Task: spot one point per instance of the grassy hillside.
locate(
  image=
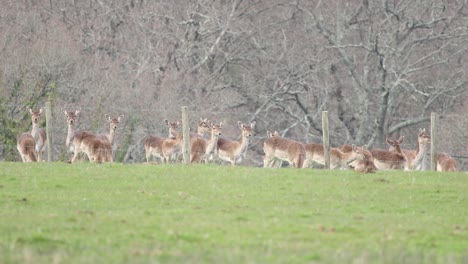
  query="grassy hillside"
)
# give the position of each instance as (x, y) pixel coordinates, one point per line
(115, 213)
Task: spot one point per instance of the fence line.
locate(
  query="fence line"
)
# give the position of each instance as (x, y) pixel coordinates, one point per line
(325, 140)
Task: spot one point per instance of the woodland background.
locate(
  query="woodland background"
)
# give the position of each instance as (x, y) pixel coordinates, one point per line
(379, 67)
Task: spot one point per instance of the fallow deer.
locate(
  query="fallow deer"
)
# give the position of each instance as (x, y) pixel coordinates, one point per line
(364, 162)
(284, 149)
(415, 159)
(234, 151)
(387, 160)
(315, 153)
(38, 133)
(445, 162)
(421, 150)
(275, 163)
(204, 149)
(153, 144)
(26, 146)
(71, 120)
(203, 127)
(113, 124)
(97, 150)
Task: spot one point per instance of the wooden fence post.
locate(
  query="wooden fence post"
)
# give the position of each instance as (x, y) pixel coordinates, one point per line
(48, 111)
(326, 139)
(434, 121)
(186, 134)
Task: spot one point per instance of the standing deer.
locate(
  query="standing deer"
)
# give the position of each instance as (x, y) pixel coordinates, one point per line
(153, 144)
(234, 151)
(71, 120)
(97, 150)
(387, 160)
(203, 127)
(204, 149)
(284, 149)
(445, 162)
(26, 146)
(38, 133)
(315, 153)
(113, 124)
(415, 159)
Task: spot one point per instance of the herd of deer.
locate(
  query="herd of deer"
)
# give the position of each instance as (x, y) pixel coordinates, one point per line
(207, 145)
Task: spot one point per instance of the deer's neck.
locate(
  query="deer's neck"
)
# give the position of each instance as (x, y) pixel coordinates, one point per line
(111, 135)
(244, 144)
(421, 151)
(212, 143)
(35, 131)
(70, 135)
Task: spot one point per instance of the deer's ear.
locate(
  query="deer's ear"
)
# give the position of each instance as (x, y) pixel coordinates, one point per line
(120, 118)
(239, 123)
(65, 112)
(269, 135)
(400, 140)
(30, 111)
(107, 117)
(166, 122)
(41, 110)
(77, 112)
(252, 124)
(179, 122)
(389, 141)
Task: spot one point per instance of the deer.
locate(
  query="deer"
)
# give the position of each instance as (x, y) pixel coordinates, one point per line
(415, 159)
(387, 160)
(26, 146)
(275, 163)
(445, 162)
(38, 133)
(276, 147)
(153, 144)
(234, 151)
(204, 149)
(363, 162)
(203, 127)
(71, 120)
(97, 149)
(113, 124)
(315, 153)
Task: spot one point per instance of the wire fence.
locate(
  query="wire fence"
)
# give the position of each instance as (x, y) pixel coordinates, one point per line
(452, 136)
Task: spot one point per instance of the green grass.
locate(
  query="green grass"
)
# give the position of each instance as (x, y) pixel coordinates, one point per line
(115, 213)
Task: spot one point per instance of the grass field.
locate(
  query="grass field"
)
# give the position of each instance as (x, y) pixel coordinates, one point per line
(115, 213)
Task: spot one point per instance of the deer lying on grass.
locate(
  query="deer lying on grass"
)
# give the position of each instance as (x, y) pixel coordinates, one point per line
(445, 162)
(387, 160)
(26, 146)
(97, 150)
(234, 151)
(204, 149)
(284, 149)
(153, 144)
(338, 159)
(38, 133)
(364, 162)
